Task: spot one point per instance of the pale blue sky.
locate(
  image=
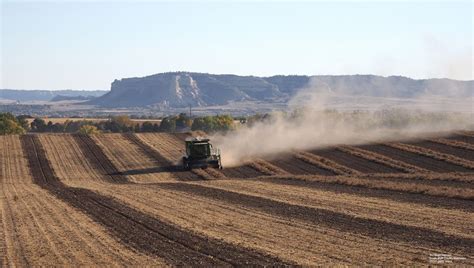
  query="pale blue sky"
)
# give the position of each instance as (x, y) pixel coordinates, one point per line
(87, 44)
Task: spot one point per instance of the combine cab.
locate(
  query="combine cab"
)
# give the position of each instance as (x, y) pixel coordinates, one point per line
(201, 154)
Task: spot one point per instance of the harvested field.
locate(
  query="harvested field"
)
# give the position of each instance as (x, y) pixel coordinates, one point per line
(135, 229)
(355, 162)
(415, 159)
(448, 149)
(40, 229)
(295, 166)
(466, 138)
(122, 199)
(457, 164)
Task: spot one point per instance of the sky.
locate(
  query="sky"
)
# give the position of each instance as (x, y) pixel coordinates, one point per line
(88, 44)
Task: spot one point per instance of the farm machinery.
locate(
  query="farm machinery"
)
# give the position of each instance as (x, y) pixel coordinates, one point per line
(201, 154)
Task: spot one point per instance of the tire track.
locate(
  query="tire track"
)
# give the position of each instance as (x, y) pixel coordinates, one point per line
(342, 222)
(139, 230)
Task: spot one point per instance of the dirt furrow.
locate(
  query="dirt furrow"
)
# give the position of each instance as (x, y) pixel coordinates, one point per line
(455, 163)
(38, 227)
(454, 143)
(65, 154)
(68, 224)
(466, 133)
(167, 145)
(354, 162)
(139, 230)
(11, 250)
(458, 179)
(462, 137)
(308, 244)
(291, 164)
(3, 248)
(448, 149)
(315, 256)
(422, 187)
(100, 161)
(241, 172)
(25, 222)
(325, 163)
(44, 230)
(449, 221)
(338, 185)
(161, 162)
(411, 158)
(396, 166)
(267, 168)
(343, 222)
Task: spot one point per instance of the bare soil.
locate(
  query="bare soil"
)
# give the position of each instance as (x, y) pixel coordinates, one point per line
(123, 199)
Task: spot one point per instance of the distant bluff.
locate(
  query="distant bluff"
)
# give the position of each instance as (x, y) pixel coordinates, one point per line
(181, 89)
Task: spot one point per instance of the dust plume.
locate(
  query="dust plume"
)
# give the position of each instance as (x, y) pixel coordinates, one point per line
(318, 117)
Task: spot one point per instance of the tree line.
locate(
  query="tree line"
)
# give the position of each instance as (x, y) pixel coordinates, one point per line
(9, 124)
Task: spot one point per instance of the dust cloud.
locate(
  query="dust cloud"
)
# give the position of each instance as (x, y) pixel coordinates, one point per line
(317, 117)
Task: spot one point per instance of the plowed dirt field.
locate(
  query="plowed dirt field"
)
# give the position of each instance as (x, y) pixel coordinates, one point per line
(123, 200)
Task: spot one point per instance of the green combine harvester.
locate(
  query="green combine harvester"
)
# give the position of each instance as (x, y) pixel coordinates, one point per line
(201, 154)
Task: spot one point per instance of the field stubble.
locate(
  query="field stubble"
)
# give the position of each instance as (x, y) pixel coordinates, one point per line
(373, 204)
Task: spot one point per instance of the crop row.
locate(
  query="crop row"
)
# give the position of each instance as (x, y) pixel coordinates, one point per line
(379, 158)
(136, 229)
(379, 183)
(454, 143)
(325, 163)
(433, 154)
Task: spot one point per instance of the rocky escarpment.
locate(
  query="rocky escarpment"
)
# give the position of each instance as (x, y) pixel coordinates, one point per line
(181, 89)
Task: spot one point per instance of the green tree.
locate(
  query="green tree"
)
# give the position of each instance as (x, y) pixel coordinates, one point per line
(10, 125)
(89, 130)
(183, 121)
(198, 124)
(136, 128)
(224, 123)
(147, 127)
(168, 124)
(38, 125)
(23, 121)
(213, 123)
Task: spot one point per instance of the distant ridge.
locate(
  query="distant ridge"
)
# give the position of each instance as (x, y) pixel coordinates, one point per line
(181, 89)
(46, 95)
